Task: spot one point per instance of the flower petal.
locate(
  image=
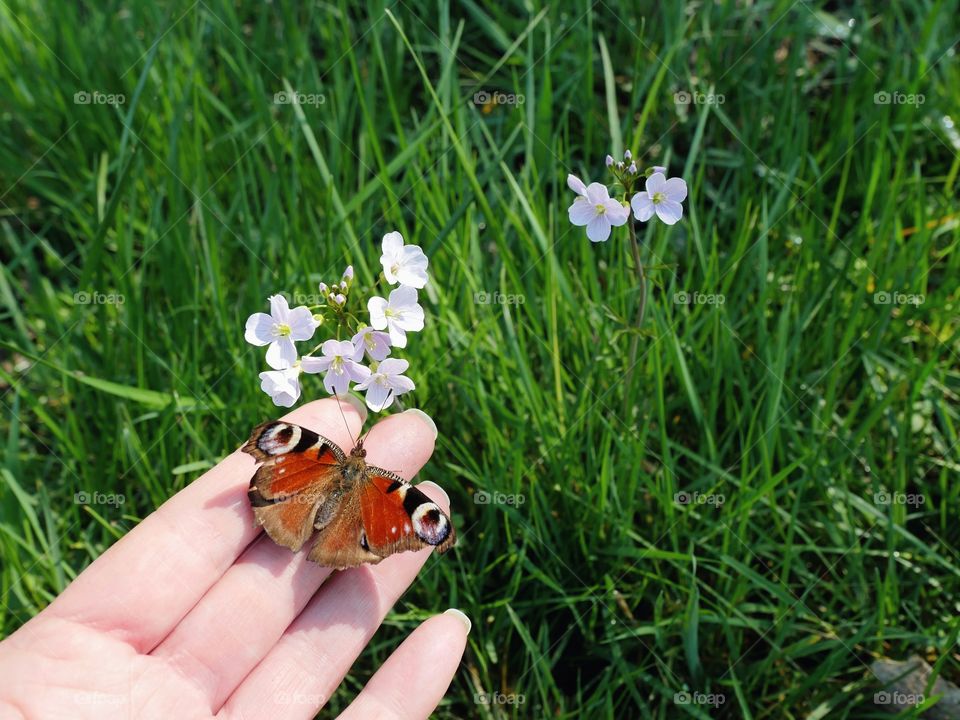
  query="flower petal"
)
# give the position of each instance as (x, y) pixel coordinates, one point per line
(259, 329)
(597, 193)
(576, 184)
(403, 297)
(598, 230)
(669, 211)
(336, 383)
(642, 206)
(675, 189)
(393, 366)
(356, 371)
(312, 364)
(411, 319)
(301, 322)
(616, 213)
(377, 307)
(655, 183)
(401, 384)
(398, 338)
(279, 308)
(281, 354)
(379, 397)
(581, 212)
(392, 242)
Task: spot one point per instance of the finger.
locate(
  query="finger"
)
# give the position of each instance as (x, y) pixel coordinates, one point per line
(311, 658)
(413, 680)
(141, 587)
(244, 614)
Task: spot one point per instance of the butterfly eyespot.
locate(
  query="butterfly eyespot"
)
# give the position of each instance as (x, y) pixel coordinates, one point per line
(430, 524)
(278, 439)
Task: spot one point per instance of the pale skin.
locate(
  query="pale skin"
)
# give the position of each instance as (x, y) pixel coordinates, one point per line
(195, 613)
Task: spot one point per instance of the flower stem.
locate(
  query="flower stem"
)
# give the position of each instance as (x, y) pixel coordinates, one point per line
(641, 311)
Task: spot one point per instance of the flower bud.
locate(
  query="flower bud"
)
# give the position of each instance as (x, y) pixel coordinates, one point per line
(627, 155)
(339, 299)
(620, 166)
(348, 273)
(632, 169)
(324, 289)
(609, 160)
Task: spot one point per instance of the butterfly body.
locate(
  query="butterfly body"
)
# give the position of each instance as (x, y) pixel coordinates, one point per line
(306, 483)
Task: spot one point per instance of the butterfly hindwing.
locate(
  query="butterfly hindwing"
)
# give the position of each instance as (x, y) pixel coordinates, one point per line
(397, 516)
(300, 469)
(342, 543)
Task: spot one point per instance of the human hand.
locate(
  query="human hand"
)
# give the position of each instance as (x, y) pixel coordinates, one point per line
(195, 613)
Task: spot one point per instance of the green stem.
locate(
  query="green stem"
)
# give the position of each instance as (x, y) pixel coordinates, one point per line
(641, 311)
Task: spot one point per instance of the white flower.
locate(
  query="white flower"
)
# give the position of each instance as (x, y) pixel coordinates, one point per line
(595, 209)
(662, 197)
(385, 383)
(279, 329)
(397, 315)
(283, 386)
(339, 362)
(404, 264)
(374, 342)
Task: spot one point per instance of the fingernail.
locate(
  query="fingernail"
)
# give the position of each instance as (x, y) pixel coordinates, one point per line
(436, 492)
(356, 403)
(426, 418)
(459, 614)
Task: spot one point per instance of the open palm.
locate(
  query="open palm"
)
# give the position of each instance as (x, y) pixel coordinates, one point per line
(196, 614)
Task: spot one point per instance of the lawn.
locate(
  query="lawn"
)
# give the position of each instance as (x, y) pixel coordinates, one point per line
(756, 508)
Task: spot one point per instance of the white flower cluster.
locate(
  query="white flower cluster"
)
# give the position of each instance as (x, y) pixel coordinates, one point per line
(598, 212)
(342, 361)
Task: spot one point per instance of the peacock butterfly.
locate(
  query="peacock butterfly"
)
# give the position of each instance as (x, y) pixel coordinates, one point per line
(306, 482)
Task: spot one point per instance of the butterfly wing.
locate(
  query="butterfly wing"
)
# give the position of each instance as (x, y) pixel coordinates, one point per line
(299, 474)
(386, 515)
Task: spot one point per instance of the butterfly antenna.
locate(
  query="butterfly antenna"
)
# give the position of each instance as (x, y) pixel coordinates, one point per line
(386, 402)
(356, 440)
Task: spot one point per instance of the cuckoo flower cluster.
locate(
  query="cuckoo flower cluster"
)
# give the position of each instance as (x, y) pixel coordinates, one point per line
(595, 209)
(364, 360)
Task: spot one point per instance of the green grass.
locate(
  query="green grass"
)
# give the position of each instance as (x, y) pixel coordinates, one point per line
(798, 398)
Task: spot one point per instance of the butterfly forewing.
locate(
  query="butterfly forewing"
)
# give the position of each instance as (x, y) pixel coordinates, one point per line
(299, 471)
